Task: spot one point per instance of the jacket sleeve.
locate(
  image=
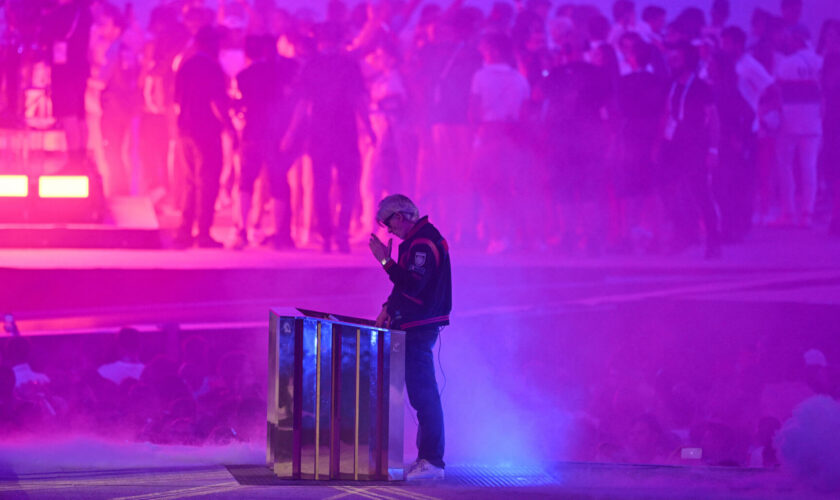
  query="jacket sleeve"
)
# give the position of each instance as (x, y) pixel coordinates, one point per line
(421, 267)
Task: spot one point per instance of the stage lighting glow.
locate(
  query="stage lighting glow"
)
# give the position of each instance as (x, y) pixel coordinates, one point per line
(14, 186)
(63, 186)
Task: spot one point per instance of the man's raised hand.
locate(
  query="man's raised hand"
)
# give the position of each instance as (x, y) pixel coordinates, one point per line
(379, 250)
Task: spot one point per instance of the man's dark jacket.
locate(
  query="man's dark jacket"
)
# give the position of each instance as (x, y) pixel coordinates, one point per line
(422, 294)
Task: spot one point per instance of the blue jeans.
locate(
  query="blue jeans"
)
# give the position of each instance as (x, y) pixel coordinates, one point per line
(423, 392)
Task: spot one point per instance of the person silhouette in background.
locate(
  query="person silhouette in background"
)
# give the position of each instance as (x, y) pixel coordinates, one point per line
(67, 30)
(333, 98)
(201, 95)
(691, 150)
(264, 86)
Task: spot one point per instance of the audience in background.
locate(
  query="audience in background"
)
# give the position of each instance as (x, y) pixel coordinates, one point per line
(600, 165)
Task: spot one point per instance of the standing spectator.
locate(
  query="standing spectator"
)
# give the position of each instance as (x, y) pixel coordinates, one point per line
(641, 104)
(753, 78)
(792, 13)
(653, 27)
(688, 26)
(601, 53)
(624, 17)
(718, 15)
(67, 32)
(733, 180)
(201, 94)
(168, 36)
(389, 167)
(755, 85)
(531, 42)
(443, 71)
(577, 94)
(690, 150)
(498, 95)
(119, 99)
(10, 62)
(798, 74)
(767, 31)
(333, 99)
(500, 19)
(652, 31)
(829, 49)
(265, 87)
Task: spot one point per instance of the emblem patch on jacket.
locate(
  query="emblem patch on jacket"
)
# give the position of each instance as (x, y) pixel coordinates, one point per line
(420, 259)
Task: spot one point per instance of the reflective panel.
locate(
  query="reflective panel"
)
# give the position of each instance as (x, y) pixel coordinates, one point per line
(308, 396)
(271, 397)
(383, 395)
(367, 404)
(348, 399)
(396, 383)
(335, 400)
(325, 399)
(280, 390)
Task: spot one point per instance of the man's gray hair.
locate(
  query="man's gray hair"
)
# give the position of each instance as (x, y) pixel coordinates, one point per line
(397, 203)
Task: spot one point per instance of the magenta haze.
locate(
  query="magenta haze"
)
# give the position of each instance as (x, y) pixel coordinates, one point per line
(530, 377)
(741, 9)
(531, 372)
(809, 442)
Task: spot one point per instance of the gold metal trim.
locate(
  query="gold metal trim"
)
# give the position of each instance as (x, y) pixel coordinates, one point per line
(358, 384)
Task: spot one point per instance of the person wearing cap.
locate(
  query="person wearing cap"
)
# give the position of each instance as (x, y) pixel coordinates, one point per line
(419, 303)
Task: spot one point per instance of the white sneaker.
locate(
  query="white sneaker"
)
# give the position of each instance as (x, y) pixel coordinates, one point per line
(422, 469)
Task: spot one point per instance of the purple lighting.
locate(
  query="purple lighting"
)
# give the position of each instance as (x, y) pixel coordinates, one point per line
(562, 248)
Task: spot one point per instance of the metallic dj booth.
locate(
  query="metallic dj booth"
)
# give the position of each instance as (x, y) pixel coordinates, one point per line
(335, 398)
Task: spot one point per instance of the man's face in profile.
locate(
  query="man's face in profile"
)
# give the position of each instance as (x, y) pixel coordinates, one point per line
(397, 225)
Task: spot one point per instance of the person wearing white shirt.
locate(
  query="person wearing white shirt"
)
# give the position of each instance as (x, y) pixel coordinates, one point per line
(798, 75)
(498, 95)
(753, 78)
(499, 91)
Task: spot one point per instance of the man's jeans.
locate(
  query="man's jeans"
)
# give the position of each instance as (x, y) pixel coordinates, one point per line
(423, 392)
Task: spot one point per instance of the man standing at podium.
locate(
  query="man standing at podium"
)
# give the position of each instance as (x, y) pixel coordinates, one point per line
(419, 303)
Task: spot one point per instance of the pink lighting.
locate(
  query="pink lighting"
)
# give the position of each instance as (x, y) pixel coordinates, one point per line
(63, 186)
(14, 186)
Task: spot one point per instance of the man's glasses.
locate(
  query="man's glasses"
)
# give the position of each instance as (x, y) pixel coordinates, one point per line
(387, 221)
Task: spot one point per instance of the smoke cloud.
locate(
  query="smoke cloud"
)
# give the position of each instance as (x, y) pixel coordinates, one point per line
(810, 440)
(97, 453)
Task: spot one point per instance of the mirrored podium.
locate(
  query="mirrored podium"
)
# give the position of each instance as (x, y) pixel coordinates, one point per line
(335, 398)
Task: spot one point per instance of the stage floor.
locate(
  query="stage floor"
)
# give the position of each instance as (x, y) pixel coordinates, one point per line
(52, 291)
(785, 278)
(566, 480)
